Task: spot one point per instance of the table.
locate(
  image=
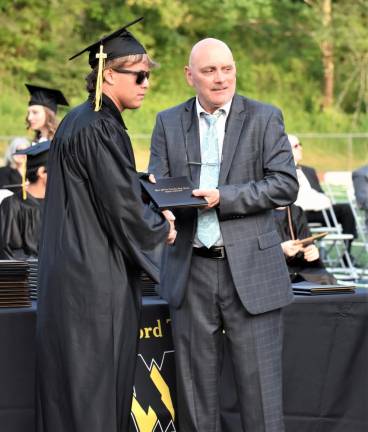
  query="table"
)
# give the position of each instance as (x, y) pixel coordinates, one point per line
(325, 364)
(17, 369)
(154, 390)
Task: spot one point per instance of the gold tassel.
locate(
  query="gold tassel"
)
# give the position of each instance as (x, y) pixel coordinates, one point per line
(101, 65)
(24, 173)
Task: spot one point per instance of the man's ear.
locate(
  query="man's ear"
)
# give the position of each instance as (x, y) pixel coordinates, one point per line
(41, 172)
(108, 76)
(188, 75)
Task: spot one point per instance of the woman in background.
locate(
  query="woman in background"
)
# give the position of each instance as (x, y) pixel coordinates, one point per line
(11, 173)
(42, 109)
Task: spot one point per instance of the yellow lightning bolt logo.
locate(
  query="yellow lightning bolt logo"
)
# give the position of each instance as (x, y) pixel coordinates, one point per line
(147, 421)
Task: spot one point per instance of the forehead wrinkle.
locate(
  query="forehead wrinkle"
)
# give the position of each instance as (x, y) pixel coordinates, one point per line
(216, 66)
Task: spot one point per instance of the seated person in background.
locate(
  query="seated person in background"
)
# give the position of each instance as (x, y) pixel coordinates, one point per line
(21, 213)
(360, 182)
(303, 262)
(11, 173)
(311, 197)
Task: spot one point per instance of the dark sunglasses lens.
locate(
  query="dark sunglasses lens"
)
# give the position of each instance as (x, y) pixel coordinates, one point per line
(141, 76)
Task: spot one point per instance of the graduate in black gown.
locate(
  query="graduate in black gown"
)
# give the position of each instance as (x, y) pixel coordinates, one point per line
(97, 237)
(304, 263)
(11, 173)
(21, 213)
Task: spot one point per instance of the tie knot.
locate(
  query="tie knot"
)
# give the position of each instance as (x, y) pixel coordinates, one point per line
(211, 119)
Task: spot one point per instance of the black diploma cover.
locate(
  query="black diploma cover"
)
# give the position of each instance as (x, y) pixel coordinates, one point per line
(172, 192)
(310, 288)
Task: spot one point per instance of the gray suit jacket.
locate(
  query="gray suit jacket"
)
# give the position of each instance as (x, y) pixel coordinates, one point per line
(257, 174)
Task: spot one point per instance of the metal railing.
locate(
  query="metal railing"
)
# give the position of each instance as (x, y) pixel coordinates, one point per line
(324, 151)
(334, 151)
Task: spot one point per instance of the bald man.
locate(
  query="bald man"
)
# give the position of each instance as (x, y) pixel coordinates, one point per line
(226, 271)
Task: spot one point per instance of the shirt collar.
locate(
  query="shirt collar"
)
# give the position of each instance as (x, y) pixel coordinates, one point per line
(225, 108)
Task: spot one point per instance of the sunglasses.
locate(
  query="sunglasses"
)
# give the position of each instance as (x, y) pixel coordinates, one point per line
(140, 75)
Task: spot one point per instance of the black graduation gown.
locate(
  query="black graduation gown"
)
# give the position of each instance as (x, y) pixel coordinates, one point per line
(20, 224)
(10, 176)
(97, 234)
(299, 268)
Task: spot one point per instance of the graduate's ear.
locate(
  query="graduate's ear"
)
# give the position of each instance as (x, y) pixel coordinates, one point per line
(41, 172)
(108, 75)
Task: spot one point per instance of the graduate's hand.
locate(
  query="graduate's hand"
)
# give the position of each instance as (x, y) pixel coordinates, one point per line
(147, 177)
(171, 237)
(291, 248)
(311, 253)
(212, 196)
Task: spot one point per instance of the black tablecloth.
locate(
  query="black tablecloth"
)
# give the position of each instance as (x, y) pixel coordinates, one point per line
(17, 369)
(326, 364)
(154, 389)
(325, 367)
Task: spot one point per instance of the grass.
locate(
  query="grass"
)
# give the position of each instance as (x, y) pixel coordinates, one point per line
(323, 154)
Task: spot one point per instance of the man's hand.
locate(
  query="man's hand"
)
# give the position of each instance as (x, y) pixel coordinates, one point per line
(171, 219)
(151, 179)
(291, 248)
(212, 196)
(311, 253)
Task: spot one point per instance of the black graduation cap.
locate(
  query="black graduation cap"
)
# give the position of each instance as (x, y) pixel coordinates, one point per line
(120, 43)
(37, 154)
(49, 98)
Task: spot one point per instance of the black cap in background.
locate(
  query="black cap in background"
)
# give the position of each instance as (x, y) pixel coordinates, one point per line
(37, 154)
(49, 98)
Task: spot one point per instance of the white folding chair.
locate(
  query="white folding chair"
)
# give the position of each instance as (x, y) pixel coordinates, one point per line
(338, 185)
(361, 243)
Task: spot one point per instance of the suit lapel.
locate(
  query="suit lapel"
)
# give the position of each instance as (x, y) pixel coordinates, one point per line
(191, 137)
(235, 124)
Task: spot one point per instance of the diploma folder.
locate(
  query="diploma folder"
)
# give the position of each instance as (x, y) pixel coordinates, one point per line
(172, 192)
(310, 240)
(310, 288)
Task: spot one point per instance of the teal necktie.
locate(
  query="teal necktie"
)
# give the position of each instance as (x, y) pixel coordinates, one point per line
(208, 227)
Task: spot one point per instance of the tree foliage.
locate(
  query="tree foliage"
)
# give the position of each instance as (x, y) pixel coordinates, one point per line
(276, 44)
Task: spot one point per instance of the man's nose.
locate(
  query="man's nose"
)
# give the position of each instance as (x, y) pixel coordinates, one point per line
(219, 76)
